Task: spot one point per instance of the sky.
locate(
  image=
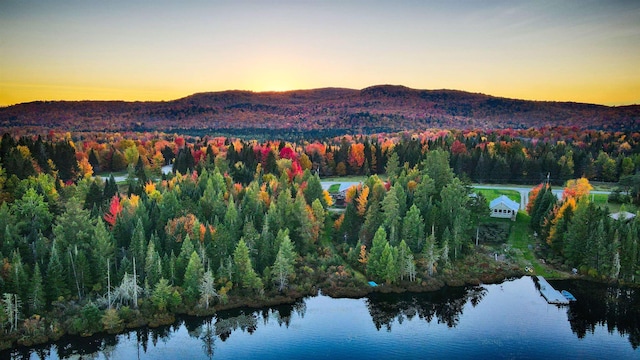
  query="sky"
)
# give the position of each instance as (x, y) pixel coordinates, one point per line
(559, 50)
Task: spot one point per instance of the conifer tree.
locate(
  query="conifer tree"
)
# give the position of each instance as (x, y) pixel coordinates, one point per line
(245, 275)
(375, 267)
(37, 301)
(192, 278)
(283, 266)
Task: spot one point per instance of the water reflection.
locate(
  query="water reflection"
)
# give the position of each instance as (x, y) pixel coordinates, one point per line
(618, 309)
(446, 306)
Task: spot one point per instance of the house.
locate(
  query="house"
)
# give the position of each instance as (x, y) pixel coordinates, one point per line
(623, 215)
(503, 207)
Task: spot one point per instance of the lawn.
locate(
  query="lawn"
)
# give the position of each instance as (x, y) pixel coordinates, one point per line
(491, 194)
(521, 238)
(333, 189)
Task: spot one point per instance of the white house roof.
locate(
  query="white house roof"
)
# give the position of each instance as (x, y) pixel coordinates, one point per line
(625, 215)
(503, 199)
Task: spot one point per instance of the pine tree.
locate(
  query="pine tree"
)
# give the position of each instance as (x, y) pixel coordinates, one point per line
(192, 278)
(389, 263)
(103, 250)
(413, 229)
(55, 285)
(375, 267)
(429, 252)
(138, 246)
(37, 300)
(183, 258)
(245, 275)
(283, 266)
(152, 265)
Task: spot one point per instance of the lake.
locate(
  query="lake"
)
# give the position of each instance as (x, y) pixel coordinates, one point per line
(508, 320)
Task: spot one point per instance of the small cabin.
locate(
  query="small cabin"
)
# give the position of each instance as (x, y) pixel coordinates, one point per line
(505, 208)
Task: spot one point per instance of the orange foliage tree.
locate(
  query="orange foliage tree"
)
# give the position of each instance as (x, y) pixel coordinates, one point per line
(577, 188)
(356, 156)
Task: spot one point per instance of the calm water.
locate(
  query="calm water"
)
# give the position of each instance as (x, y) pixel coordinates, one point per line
(509, 320)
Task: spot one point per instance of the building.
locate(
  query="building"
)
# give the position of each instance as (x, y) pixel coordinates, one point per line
(623, 215)
(503, 207)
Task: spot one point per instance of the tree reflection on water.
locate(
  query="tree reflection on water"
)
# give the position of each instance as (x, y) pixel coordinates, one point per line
(617, 308)
(445, 305)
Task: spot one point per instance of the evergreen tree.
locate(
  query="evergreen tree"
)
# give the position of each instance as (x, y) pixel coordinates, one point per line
(429, 252)
(152, 265)
(314, 191)
(283, 266)
(375, 267)
(413, 229)
(245, 275)
(192, 278)
(393, 165)
(103, 251)
(94, 197)
(391, 211)
(389, 263)
(37, 301)
(138, 246)
(55, 286)
(183, 259)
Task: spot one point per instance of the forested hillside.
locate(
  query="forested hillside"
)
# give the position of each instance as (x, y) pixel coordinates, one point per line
(323, 112)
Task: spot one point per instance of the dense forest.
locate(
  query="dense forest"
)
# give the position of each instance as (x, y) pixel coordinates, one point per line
(242, 222)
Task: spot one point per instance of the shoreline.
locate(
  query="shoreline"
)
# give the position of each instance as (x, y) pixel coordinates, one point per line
(16, 341)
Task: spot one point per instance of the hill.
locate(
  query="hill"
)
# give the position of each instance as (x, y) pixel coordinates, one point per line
(382, 108)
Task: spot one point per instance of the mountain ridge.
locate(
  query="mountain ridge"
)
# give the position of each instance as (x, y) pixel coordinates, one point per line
(379, 108)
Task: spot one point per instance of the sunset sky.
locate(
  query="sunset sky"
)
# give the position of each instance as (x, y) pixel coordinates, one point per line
(585, 51)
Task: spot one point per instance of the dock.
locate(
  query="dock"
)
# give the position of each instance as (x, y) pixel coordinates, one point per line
(550, 294)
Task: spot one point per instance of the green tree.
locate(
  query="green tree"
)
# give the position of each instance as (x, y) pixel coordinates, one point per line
(429, 253)
(183, 258)
(393, 165)
(455, 213)
(436, 165)
(138, 246)
(283, 269)
(152, 265)
(192, 278)
(391, 211)
(314, 191)
(375, 267)
(164, 297)
(37, 301)
(32, 212)
(55, 286)
(246, 276)
(103, 247)
(413, 229)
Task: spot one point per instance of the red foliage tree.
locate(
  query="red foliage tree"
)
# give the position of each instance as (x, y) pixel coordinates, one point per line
(115, 208)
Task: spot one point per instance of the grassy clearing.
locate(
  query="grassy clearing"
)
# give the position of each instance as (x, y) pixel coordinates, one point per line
(491, 194)
(522, 239)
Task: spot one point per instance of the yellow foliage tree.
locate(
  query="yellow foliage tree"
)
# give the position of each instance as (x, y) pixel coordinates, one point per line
(363, 200)
(364, 257)
(577, 188)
